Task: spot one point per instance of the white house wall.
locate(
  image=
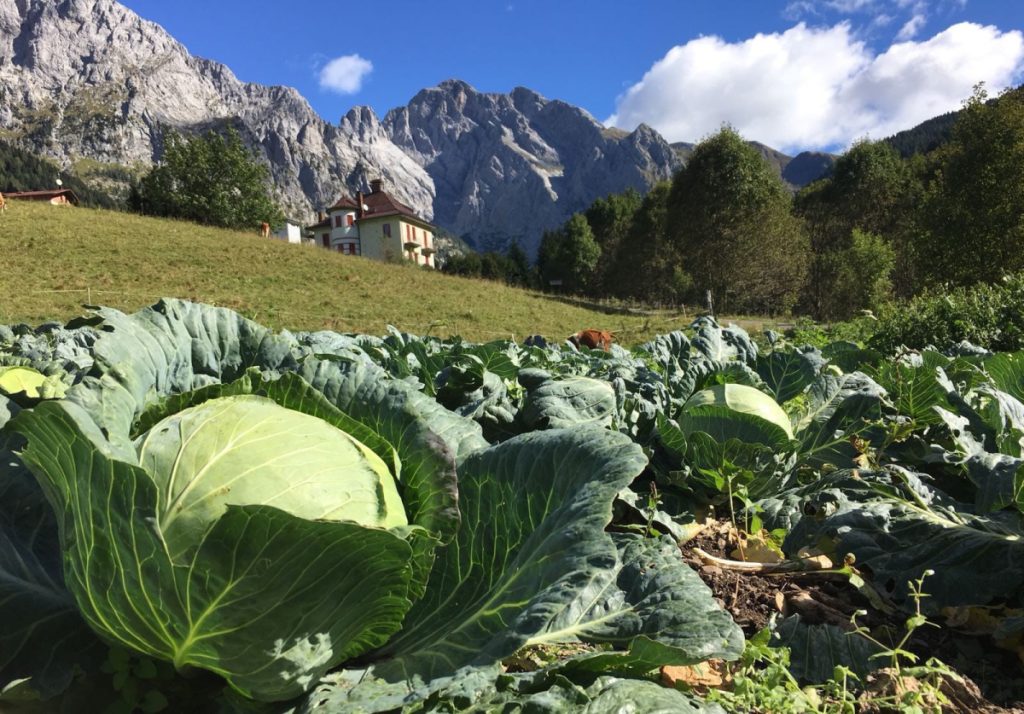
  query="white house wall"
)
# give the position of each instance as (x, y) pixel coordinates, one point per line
(289, 232)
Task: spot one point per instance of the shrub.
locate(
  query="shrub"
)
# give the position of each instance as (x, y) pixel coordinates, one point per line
(990, 316)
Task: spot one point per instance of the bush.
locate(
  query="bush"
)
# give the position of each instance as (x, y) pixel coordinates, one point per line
(990, 316)
(807, 331)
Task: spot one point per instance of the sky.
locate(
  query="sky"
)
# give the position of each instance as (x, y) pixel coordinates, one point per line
(793, 74)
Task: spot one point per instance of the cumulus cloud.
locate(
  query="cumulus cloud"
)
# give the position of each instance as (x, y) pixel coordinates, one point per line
(345, 75)
(811, 88)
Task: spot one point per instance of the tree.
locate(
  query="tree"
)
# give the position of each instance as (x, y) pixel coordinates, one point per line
(611, 219)
(871, 190)
(570, 255)
(731, 224)
(211, 179)
(518, 269)
(859, 275)
(974, 210)
(468, 265)
(646, 266)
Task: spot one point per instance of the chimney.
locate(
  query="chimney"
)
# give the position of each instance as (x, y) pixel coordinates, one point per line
(359, 203)
(320, 216)
(375, 185)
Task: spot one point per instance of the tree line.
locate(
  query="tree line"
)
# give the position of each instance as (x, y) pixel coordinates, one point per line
(879, 227)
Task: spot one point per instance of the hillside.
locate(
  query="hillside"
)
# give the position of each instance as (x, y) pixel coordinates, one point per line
(21, 170)
(925, 137)
(56, 259)
(933, 133)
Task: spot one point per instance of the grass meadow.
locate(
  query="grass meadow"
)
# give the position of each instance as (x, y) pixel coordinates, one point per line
(54, 261)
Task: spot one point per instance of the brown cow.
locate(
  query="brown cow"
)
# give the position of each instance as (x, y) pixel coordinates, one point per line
(3, 203)
(265, 230)
(594, 339)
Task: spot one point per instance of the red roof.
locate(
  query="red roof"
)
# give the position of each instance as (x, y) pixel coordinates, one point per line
(378, 205)
(47, 195)
(382, 203)
(344, 202)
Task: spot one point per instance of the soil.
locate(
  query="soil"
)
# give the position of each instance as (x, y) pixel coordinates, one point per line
(996, 675)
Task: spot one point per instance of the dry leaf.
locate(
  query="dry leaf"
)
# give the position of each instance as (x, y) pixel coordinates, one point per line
(710, 674)
(755, 549)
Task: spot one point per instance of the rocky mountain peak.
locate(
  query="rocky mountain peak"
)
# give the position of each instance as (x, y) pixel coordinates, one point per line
(506, 167)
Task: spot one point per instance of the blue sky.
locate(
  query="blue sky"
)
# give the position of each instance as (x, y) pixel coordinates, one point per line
(794, 74)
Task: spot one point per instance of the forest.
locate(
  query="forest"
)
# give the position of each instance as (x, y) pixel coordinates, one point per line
(894, 220)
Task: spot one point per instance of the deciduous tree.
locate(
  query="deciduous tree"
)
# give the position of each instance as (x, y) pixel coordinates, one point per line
(212, 179)
(974, 211)
(569, 255)
(874, 191)
(730, 220)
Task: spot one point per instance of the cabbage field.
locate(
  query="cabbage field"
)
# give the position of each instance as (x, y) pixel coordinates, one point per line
(200, 514)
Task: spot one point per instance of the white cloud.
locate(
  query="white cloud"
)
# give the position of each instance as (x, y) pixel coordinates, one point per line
(911, 27)
(812, 88)
(345, 75)
(873, 14)
(812, 8)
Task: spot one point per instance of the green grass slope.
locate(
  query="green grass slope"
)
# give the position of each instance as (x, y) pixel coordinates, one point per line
(53, 260)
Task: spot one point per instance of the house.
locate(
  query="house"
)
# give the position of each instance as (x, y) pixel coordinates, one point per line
(57, 196)
(289, 231)
(376, 225)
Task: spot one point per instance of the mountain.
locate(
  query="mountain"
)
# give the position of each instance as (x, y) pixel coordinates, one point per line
(504, 164)
(933, 133)
(796, 171)
(89, 82)
(95, 88)
(806, 167)
(926, 136)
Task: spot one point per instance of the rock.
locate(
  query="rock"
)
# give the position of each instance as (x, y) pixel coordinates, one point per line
(507, 167)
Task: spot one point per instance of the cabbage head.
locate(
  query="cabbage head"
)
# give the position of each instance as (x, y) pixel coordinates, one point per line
(218, 510)
(736, 411)
(247, 450)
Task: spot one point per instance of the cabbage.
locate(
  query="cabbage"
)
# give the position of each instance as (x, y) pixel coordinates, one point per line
(248, 450)
(736, 411)
(31, 383)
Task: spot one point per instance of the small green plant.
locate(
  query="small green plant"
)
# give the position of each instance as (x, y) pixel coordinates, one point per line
(136, 680)
(653, 498)
(904, 685)
(989, 316)
(762, 682)
(897, 654)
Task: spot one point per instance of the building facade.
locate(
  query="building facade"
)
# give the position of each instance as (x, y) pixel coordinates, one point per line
(288, 231)
(375, 225)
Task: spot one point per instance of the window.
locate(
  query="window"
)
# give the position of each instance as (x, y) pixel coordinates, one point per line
(351, 219)
(326, 238)
(337, 221)
(387, 230)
